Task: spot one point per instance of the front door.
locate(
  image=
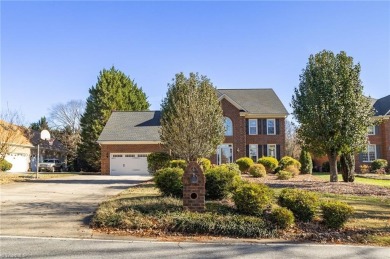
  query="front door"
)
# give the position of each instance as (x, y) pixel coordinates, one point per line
(225, 154)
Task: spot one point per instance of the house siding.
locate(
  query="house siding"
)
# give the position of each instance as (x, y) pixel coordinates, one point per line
(121, 148)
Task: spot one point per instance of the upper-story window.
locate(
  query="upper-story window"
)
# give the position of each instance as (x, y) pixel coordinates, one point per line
(228, 127)
(271, 127)
(371, 130)
(252, 126)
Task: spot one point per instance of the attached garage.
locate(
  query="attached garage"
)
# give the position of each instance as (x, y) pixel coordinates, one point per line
(128, 164)
(126, 141)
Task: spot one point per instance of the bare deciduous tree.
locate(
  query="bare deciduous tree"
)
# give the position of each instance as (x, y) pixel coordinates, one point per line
(293, 147)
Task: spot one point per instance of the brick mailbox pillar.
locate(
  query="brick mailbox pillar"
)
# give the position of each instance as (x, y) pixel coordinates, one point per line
(194, 190)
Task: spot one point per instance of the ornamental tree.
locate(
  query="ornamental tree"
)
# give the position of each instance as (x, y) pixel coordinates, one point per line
(113, 91)
(330, 107)
(192, 124)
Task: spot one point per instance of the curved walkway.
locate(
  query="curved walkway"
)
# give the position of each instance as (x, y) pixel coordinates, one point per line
(60, 207)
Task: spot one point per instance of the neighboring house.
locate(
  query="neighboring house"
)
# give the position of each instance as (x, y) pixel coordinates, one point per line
(254, 122)
(378, 136)
(22, 148)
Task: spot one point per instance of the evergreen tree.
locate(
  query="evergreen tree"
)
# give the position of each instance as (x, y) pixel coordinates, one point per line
(306, 163)
(40, 125)
(113, 91)
(192, 123)
(330, 107)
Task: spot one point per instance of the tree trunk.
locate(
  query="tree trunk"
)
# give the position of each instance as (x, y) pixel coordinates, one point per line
(332, 157)
(347, 162)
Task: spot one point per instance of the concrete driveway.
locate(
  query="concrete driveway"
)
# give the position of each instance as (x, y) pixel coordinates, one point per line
(60, 207)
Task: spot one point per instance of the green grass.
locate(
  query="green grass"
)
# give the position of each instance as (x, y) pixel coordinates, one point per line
(6, 178)
(358, 179)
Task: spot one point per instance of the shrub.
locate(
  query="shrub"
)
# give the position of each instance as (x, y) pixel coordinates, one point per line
(157, 161)
(244, 163)
(378, 164)
(306, 163)
(5, 165)
(178, 163)
(292, 169)
(232, 167)
(282, 217)
(204, 163)
(269, 163)
(220, 181)
(169, 181)
(336, 213)
(252, 199)
(257, 170)
(284, 175)
(302, 203)
(364, 169)
(288, 161)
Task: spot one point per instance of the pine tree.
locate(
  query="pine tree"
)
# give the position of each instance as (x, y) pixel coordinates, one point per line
(306, 163)
(113, 91)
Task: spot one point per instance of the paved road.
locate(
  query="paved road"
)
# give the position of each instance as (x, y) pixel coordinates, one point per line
(58, 207)
(11, 247)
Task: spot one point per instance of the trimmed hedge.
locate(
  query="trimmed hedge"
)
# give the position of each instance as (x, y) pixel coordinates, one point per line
(302, 203)
(289, 161)
(270, 163)
(178, 163)
(257, 170)
(157, 161)
(169, 181)
(5, 165)
(220, 181)
(336, 213)
(244, 163)
(252, 199)
(284, 175)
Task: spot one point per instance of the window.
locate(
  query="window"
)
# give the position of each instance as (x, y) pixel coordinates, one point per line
(228, 127)
(252, 126)
(270, 126)
(271, 150)
(129, 155)
(224, 154)
(117, 156)
(253, 152)
(371, 130)
(369, 154)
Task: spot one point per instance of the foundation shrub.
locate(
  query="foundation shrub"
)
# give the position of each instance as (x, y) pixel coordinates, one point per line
(302, 203)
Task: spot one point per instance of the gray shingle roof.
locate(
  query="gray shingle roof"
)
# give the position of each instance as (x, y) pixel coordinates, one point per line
(382, 106)
(257, 101)
(132, 126)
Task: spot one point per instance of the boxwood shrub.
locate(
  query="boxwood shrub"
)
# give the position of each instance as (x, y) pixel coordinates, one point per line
(204, 163)
(257, 170)
(178, 163)
(302, 203)
(336, 213)
(220, 181)
(252, 199)
(5, 165)
(284, 175)
(283, 218)
(378, 164)
(244, 163)
(270, 163)
(169, 181)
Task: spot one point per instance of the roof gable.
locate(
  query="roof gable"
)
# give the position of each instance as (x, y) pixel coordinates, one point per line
(382, 106)
(254, 101)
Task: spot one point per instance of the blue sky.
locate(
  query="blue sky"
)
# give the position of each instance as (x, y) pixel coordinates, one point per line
(52, 52)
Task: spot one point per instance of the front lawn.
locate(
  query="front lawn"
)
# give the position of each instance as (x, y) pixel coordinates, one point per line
(142, 211)
(358, 179)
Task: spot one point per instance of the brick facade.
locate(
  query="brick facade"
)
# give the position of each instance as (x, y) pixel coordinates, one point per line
(124, 148)
(241, 139)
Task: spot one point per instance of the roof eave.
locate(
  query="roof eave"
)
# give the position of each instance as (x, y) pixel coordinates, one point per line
(128, 142)
(263, 115)
(235, 104)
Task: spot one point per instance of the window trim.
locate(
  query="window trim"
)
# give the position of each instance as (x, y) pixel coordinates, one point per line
(268, 146)
(274, 127)
(368, 154)
(256, 149)
(373, 130)
(231, 124)
(249, 127)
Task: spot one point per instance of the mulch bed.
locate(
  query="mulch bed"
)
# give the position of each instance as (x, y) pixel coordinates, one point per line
(313, 183)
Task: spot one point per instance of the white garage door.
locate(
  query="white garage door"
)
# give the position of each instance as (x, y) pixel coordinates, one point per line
(128, 164)
(19, 162)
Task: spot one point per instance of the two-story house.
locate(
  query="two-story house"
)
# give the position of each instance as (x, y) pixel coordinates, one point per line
(254, 123)
(378, 146)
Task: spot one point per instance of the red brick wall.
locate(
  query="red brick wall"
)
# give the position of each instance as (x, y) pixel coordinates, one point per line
(128, 148)
(240, 139)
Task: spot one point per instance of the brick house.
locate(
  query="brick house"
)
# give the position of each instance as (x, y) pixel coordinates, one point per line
(254, 122)
(378, 146)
